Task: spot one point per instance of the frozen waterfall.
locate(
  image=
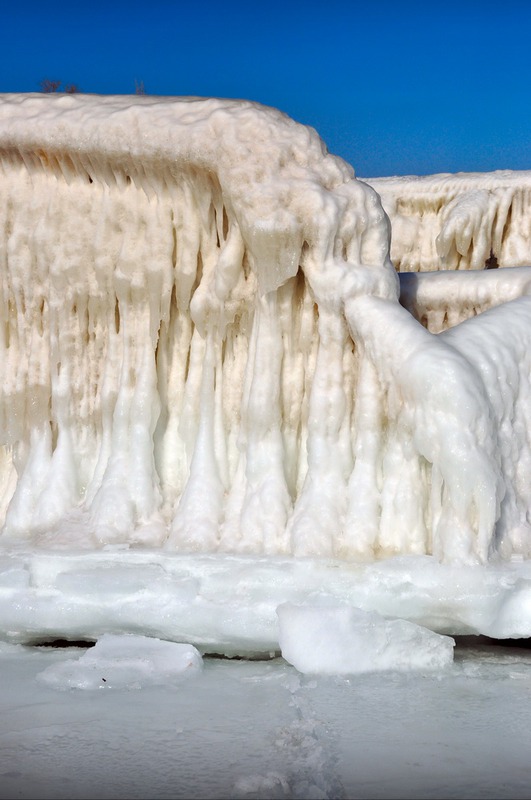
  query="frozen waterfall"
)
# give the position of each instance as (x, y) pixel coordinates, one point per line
(203, 350)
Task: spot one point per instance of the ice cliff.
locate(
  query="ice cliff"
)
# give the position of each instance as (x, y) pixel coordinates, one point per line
(202, 347)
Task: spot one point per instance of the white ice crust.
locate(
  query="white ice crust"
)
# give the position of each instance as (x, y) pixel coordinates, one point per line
(202, 348)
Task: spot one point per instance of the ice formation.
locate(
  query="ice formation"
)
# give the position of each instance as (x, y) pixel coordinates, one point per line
(126, 661)
(202, 347)
(228, 604)
(441, 300)
(459, 221)
(332, 639)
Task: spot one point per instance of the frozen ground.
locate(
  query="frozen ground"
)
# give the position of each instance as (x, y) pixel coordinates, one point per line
(260, 729)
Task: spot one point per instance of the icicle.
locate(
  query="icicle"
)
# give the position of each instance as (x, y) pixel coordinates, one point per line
(196, 523)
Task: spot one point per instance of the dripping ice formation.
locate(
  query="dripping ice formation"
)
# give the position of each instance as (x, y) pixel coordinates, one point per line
(203, 348)
(458, 221)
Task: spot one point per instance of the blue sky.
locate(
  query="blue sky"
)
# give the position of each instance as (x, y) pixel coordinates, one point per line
(394, 87)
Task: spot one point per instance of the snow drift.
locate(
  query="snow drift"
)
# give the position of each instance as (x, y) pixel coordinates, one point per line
(202, 347)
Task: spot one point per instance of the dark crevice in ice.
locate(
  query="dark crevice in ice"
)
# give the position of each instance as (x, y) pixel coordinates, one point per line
(487, 641)
(61, 643)
(269, 656)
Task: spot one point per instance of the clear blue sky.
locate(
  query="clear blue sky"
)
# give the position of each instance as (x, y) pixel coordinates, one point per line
(394, 87)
